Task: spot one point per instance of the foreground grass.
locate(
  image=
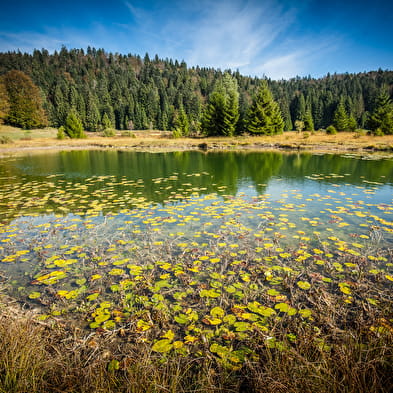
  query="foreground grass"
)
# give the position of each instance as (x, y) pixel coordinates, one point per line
(58, 358)
(20, 140)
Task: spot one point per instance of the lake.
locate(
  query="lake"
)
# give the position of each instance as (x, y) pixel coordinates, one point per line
(189, 242)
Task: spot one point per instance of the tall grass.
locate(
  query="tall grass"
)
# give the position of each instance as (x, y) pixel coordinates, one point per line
(38, 357)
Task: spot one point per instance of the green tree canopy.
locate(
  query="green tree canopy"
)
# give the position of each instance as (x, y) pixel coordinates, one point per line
(25, 101)
(222, 111)
(264, 115)
(382, 117)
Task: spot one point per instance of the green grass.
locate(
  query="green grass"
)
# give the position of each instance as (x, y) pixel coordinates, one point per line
(16, 134)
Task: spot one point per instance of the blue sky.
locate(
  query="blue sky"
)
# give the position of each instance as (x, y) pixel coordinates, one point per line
(276, 38)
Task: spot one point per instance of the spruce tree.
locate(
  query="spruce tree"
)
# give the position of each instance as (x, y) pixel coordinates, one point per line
(381, 120)
(264, 115)
(308, 121)
(222, 112)
(340, 118)
(181, 123)
(73, 126)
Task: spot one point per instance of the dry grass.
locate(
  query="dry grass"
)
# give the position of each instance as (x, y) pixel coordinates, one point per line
(158, 141)
(37, 357)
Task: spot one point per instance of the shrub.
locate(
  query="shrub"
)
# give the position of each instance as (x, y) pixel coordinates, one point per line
(60, 133)
(177, 133)
(5, 139)
(378, 132)
(109, 132)
(128, 134)
(331, 130)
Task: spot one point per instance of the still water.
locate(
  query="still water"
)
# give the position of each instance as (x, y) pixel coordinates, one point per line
(82, 225)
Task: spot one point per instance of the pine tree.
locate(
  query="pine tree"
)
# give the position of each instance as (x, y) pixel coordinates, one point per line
(381, 120)
(222, 111)
(25, 102)
(264, 115)
(352, 124)
(73, 126)
(340, 118)
(181, 123)
(106, 123)
(308, 121)
(92, 113)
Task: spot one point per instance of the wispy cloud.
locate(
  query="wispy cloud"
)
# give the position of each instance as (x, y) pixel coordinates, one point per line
(27, 41)
(230, 34)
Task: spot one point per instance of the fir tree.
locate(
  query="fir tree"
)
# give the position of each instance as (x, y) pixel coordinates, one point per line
(222, 111)
(352, 125)
(340, 118)
(264, 115)
(381, 120)
(308, 121)
(92, 113)
(73, 126)
(181, 123)
(106, 123)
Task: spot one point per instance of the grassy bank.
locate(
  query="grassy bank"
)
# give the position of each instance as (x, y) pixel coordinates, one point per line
(15, 140)
(42, 357)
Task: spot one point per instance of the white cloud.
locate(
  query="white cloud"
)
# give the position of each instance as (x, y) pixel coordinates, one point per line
(283, 67)
(230, 34)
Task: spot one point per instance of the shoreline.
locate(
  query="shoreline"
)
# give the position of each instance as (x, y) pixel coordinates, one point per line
(289, 142)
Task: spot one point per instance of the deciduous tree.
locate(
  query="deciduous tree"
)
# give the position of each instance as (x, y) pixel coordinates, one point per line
(25, 103)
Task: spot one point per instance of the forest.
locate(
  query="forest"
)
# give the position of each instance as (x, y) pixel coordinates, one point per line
(127, 92)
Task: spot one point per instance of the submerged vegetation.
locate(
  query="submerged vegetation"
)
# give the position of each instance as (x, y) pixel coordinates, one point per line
(196, 280)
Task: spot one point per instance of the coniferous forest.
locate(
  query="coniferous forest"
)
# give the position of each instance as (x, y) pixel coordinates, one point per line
(127, 92)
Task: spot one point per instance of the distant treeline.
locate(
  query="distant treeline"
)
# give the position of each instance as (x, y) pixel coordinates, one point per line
(129, 92)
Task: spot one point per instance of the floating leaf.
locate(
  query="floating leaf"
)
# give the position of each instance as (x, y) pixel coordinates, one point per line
(242, 326)
(217, 312)
(305, 313)
(162, 346)
(211, 321)
(34, 295)
(113, 365)
(303, 285)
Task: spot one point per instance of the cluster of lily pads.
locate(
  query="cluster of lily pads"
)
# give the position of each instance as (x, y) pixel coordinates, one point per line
(197, 273)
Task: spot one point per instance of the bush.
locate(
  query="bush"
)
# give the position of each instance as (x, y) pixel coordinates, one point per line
(128, 134)
(378, 132)
(331, 130)
(109, 132)
(359, 132)
(177, 133)
(5, 139)
(60, 133)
